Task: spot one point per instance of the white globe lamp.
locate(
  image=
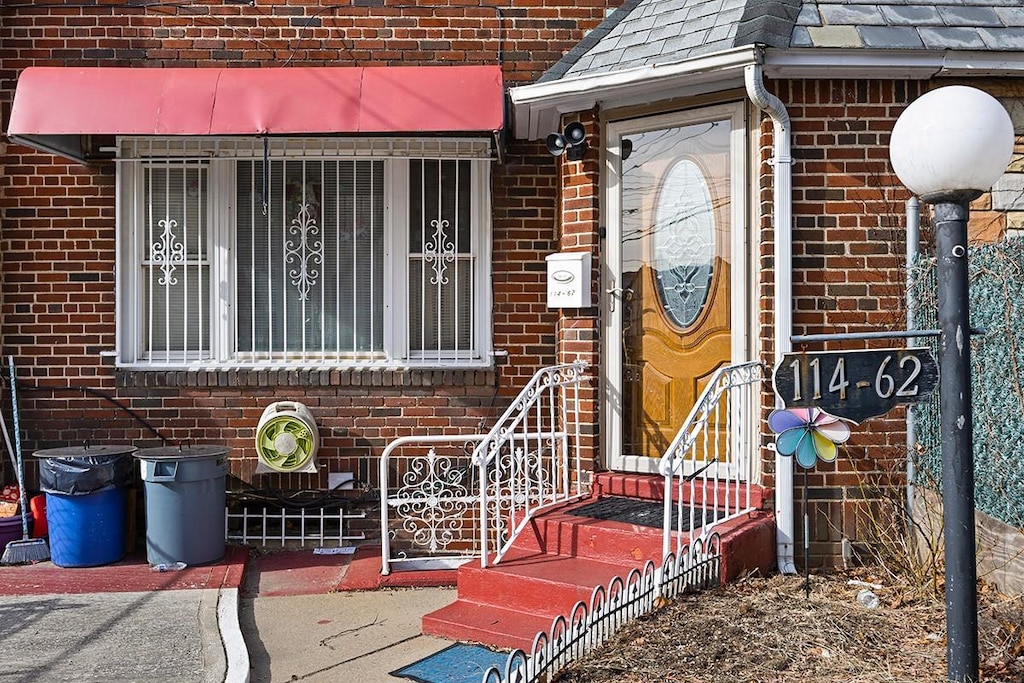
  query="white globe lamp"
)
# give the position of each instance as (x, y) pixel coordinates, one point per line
(951, 141)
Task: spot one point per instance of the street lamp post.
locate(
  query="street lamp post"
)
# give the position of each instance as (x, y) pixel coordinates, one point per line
(949, 147)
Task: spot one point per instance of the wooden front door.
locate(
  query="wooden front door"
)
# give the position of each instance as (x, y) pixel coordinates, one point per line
(673, 300)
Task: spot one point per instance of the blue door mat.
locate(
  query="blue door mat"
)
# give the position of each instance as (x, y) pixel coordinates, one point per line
(458, 663)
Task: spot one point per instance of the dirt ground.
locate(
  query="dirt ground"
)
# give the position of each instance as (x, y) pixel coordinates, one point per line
(765, 630)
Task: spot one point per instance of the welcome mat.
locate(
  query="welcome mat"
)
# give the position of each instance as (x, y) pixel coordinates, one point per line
(638, 511)
(458, 663)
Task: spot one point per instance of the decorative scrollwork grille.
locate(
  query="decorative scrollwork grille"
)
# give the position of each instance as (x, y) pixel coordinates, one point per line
(307, 250)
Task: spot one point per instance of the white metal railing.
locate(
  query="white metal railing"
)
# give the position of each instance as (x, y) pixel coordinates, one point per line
(448, 498)
(587, 627)
(531, 459)
(434, 501)
(712, 460)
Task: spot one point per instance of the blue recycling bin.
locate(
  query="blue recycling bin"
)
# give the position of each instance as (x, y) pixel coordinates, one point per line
(86, 502)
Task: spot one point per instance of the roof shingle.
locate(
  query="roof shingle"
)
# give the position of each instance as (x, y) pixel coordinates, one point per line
(645, 32)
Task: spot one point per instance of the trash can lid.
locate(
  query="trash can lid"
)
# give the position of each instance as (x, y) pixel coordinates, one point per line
(181, 452)
(85, 451)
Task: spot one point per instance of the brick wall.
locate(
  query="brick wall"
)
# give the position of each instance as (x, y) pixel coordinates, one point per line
(58, 232)
(848, 276)
(579, 336)
(849, 269)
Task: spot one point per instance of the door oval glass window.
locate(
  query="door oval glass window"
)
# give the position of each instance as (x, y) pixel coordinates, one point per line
(683, 243)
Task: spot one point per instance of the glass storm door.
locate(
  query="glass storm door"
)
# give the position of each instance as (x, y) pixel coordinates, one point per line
(671, 295)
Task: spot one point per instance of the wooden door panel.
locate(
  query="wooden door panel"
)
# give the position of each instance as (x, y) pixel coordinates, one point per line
(676, 245)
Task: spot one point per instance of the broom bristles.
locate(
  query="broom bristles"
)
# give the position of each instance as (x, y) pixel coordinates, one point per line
(26, 551)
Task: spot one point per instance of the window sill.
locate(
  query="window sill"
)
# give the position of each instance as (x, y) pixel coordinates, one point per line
(307, 377)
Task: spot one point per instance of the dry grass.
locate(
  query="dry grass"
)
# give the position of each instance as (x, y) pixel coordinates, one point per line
(765, 630)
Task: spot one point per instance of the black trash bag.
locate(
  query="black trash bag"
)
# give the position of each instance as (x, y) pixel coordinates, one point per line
(78, 476)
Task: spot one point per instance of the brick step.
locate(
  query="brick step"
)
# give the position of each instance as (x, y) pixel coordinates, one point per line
(562, 533)
(652, 487)
(478, 623)
(548, 585)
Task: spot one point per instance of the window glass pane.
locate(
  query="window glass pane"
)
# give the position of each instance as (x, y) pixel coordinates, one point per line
(440, 275)
(180, 315)
(175, 318)
(441, 317)
(284, 255)
(177, 204)
(310, 271)
(439, 206)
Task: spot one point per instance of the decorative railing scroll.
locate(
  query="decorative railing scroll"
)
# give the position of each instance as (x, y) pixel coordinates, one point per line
(434, 510)
(531, 459)
(429, 502)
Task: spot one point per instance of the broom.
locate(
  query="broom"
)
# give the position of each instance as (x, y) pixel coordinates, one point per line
(27, 549)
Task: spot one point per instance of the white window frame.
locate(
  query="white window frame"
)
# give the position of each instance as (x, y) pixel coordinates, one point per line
(221, 156)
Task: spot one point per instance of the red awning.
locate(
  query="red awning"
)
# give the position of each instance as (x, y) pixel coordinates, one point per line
(54, 107)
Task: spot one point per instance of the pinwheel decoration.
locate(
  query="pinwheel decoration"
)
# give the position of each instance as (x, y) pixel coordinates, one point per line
(808, 433)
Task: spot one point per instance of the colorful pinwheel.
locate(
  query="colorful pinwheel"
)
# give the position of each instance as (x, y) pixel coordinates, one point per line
(808, 433)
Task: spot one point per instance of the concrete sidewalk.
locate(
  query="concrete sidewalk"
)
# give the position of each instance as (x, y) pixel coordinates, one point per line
(269, 617)
(309, 617)
(122, 622)
(147, 636)
(354, 636)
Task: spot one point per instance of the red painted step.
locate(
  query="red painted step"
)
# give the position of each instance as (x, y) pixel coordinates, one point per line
(562, 533)
(547, 585)
(480, 623)
(652, 487)
(560, 559)
(505, 605)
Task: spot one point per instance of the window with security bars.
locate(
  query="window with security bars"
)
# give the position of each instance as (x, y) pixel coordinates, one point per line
(440, 257)
(293, 257)
(175, 286)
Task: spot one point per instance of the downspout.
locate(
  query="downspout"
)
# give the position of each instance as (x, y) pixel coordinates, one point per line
(782, 223)
(913, 246)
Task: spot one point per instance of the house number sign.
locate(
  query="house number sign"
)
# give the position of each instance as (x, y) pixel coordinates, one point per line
(856, 384)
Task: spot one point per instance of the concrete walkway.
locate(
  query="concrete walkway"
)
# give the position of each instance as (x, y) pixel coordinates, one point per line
(354, 636)
(281, 619)
(134, 636)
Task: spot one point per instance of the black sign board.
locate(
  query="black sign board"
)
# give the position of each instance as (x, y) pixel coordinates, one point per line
(856, 384)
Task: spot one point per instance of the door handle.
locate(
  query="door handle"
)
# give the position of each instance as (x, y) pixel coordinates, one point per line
(613, 292)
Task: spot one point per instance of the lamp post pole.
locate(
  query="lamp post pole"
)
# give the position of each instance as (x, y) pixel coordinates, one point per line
(949, 147)
(957, 436)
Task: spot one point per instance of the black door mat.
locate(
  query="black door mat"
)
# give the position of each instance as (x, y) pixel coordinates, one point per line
(637, 511)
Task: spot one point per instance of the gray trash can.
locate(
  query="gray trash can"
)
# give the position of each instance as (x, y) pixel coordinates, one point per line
(184, 491)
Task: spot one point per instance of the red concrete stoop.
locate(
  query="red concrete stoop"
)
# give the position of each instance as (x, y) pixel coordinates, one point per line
(561, 558)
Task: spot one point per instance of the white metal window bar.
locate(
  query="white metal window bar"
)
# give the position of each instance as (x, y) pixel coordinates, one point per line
(309, 253)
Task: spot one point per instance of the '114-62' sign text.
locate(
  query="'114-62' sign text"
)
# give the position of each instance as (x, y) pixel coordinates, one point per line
(855, 384)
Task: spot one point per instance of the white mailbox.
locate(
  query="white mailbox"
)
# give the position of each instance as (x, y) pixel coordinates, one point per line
(569, 279)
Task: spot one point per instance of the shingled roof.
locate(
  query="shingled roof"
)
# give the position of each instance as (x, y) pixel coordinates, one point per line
(648, 32)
